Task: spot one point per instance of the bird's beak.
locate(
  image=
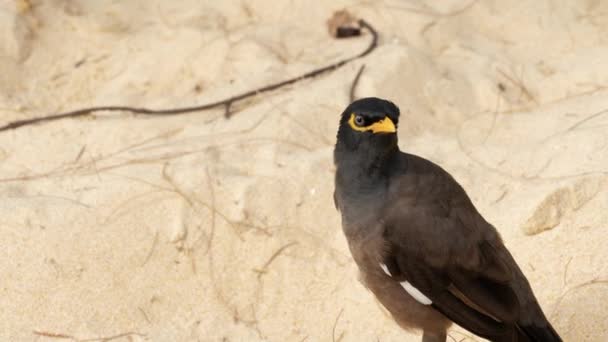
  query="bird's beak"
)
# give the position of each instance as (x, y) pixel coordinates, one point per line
(385, 125)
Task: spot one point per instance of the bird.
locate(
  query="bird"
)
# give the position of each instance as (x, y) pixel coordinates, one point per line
(420, 245)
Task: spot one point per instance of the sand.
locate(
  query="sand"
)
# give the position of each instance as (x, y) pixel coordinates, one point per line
(199, 228)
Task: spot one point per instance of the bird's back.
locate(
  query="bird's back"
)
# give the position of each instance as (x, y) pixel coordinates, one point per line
(424, 184)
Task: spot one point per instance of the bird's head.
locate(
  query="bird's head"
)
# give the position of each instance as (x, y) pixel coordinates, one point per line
(368, 125)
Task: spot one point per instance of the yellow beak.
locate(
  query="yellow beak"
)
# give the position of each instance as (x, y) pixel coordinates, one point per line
(385, 125)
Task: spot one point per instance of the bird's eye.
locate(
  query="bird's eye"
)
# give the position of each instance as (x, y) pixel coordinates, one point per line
(359, 120)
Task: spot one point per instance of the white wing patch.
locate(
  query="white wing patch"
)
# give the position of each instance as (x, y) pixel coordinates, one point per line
(414, 292)
(385, 269)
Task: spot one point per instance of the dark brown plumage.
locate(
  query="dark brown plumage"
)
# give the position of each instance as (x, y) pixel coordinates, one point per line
(421, 246)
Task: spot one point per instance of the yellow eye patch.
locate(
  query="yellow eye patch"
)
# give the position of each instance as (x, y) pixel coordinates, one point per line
(385, 125)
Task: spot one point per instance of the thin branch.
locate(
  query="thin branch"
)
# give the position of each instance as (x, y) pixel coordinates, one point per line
(594, 281)
(109, 338)
(353, 87)
(226, 103)
(52, 335)
(333, 330)
(264, 268)
(149, 255)
(143, 313)
(565, 280)
(589, 118)
(520, 84)
(94, 339)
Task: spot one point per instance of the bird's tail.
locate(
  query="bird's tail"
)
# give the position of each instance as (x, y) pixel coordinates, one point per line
(526, 333)
(535, 333)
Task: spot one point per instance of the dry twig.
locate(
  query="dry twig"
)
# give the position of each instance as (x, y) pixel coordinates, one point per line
(353, 87)
(594, 281)
(149, 255)
(226, 103)
(92, 339)
(333, 331)
(264, 268)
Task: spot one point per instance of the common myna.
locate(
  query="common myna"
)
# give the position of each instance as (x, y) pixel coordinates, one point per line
(420, 244)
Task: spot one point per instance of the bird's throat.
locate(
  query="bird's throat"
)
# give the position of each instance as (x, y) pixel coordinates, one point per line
(363, 171)
(365, 161)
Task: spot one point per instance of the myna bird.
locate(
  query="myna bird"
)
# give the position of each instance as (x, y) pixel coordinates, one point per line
(420, 244)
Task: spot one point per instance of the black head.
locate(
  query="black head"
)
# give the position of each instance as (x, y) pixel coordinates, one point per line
(369, 123)
(373, 107)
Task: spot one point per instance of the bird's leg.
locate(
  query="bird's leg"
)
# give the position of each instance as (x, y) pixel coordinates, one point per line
(433, 337)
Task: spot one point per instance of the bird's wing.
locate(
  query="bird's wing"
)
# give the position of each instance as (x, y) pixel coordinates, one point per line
(445, 251)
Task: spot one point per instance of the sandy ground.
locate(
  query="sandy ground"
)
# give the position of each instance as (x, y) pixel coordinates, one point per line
(199, 228)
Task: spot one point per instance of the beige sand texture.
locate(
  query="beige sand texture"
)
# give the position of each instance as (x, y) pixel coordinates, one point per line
(201, 228)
